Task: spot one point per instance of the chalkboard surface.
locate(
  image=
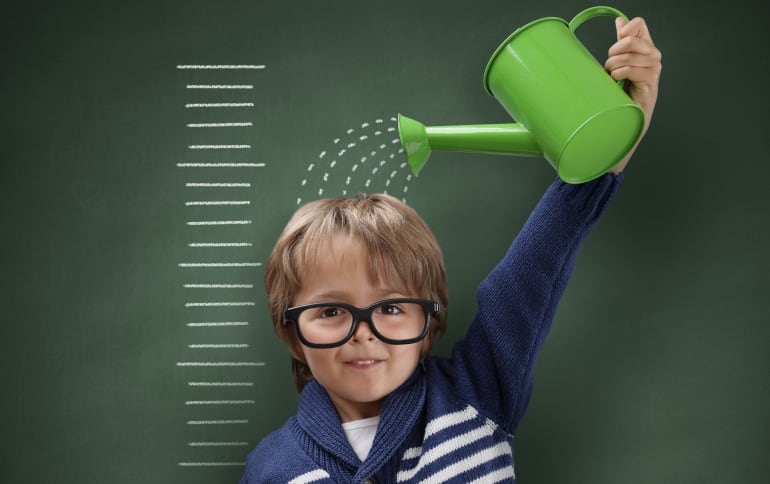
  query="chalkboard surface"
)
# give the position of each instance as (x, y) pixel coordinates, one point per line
(152, 151)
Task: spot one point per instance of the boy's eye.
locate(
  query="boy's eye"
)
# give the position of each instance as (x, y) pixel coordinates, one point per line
(330, 312)
(391, 309)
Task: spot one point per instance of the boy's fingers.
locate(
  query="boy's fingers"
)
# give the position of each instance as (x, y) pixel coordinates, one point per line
(620, 22)
(632, 44)
(643, 75)
(632, 59)
(636, 27)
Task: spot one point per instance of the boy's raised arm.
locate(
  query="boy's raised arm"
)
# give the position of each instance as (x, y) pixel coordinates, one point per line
(494, 363)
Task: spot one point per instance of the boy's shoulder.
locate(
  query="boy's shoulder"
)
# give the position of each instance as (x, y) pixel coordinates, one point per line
(277, 440)
(279, 458)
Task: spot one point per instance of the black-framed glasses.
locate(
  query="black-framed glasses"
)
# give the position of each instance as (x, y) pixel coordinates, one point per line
(397, 321)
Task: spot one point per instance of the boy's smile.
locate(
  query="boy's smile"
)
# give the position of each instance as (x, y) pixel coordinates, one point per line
(361, 373)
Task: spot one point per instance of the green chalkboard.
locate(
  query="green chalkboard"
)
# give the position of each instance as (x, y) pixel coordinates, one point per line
(152, 151)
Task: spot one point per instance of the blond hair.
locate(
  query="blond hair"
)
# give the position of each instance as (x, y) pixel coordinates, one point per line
(400, 247)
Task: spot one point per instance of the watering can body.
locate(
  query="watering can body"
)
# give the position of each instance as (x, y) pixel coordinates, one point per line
(569, 110)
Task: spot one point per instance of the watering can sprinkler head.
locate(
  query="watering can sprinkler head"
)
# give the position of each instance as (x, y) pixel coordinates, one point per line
(414, 139)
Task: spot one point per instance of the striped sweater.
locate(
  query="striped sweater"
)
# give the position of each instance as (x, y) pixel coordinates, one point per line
(453, 420)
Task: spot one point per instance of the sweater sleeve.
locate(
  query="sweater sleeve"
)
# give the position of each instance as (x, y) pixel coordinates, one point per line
(493, 364)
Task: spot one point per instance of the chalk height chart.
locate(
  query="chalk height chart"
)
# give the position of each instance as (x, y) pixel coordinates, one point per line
(221, 271)
(220, 168)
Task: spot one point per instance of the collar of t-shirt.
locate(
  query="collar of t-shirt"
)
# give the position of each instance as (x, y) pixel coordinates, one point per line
(360, 434)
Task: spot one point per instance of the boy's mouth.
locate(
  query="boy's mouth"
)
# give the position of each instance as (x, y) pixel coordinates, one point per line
(363, 363)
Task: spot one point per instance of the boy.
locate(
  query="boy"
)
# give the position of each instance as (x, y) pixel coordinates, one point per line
(357, 290)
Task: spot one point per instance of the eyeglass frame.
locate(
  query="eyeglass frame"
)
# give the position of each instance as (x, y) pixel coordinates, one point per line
(430, 308)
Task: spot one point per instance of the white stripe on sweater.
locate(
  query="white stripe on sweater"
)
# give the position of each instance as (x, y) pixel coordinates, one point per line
(447, 447)
(471, 462)
(311, 476)
(451, 419)
(440, 423)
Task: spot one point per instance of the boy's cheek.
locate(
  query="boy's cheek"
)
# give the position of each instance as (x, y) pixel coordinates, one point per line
(296, 349)
(425, 345)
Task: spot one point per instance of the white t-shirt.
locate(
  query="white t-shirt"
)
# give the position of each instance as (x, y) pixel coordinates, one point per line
(360, 434)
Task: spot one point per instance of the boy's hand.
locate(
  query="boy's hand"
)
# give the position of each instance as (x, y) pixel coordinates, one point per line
(635, 58)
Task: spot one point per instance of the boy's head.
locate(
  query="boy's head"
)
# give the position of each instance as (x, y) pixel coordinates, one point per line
(357, 252)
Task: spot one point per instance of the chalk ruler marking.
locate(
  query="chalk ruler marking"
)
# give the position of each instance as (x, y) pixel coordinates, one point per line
(217, 422)
(219, 286)
(220, 244)
(217, 202)
(217, 324)
(219, 125)
(220, 363)
(221, 66)
(219, 147)
(220, 264)
(217, 185)
(220, 402)
(220, 86)
(218, 222)
(217, 346)
(217, 444)
(211, 464)
(219, 105)
(220, 165)
(220, 383)
(218, 304)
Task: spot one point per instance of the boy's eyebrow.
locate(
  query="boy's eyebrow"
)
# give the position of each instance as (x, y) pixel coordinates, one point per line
(341, 296)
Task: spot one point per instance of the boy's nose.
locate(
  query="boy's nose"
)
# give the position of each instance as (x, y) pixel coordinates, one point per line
(363, 331)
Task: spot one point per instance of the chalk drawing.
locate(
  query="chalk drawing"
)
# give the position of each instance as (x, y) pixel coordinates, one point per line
(220, 244)
(214, 324)
(220, 402)
(220, 383)
(220, 165)
(219, 125)
(219, 105)
(219, 304)
(217, 185)
(221, 66)
(218, 222)
(218, 286)
(220, 86)
(217, 202)
(218, 346)
(212, 305)
(220, 264)
(217, 422)
(218, 444)
(366, 151)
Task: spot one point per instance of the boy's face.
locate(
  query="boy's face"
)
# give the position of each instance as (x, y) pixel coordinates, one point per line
(361, 373)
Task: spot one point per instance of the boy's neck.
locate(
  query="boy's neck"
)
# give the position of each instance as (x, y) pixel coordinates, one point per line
(349, 412)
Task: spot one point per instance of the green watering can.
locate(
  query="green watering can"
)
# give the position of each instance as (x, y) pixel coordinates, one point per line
(569, 109)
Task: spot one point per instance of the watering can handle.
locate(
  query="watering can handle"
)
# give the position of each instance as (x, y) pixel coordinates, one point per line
(600, 11)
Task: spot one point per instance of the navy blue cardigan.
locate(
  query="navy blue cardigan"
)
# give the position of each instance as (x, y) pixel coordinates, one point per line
(454, 419)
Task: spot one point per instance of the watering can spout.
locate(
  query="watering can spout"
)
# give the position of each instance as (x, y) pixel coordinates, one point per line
(418, 140)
